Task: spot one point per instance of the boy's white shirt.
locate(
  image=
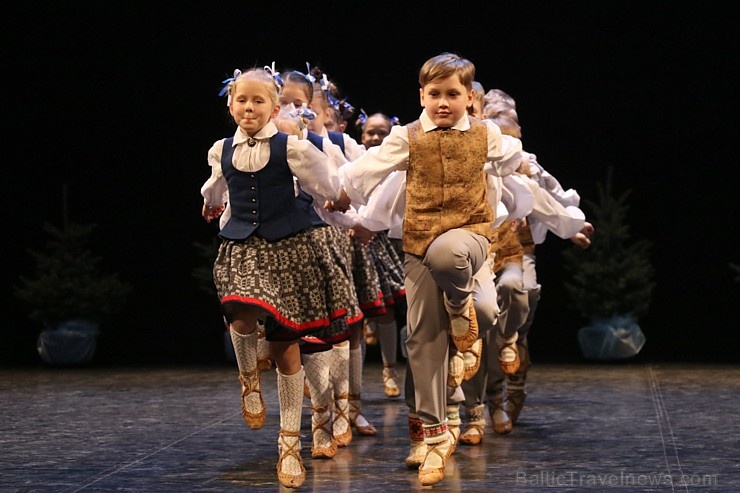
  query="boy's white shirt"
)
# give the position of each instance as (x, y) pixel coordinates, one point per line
(361, 176)
(567, 198)
(545, 211)
(512, 197)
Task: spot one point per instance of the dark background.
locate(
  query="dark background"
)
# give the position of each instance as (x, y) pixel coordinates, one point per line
(118, 101)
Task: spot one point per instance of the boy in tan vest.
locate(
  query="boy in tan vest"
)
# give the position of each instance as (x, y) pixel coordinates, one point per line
(447, 157)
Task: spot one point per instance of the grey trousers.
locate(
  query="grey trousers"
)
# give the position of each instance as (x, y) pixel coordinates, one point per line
(455, 263)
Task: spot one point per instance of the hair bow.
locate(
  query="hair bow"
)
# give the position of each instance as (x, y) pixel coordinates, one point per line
(361, 118)
(227, 85)
(270, 69)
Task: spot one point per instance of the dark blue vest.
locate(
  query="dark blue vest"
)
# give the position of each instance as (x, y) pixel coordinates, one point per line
(262, 202)
(338, 139)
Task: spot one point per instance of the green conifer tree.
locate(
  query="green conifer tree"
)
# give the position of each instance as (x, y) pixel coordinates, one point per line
(614, 276)
(68, 282)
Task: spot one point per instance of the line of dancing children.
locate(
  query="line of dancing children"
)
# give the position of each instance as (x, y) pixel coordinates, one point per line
(271, 267)
(501, 383)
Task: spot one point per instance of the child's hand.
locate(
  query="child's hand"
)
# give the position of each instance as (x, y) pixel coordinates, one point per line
(582, 239)
(211, 212)
(362, 234)
(341, 205)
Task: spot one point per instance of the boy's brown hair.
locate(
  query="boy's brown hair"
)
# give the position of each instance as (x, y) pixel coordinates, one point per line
(446, 65)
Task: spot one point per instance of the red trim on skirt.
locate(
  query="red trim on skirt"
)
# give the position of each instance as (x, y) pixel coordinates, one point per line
(316, 324)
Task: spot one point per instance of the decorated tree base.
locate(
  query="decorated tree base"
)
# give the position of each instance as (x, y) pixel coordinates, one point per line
(615, 338)
(71, 343)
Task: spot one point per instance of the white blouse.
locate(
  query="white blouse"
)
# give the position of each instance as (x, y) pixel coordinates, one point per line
(314, 171)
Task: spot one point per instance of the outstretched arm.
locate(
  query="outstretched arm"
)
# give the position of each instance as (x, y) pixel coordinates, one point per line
(582, 239)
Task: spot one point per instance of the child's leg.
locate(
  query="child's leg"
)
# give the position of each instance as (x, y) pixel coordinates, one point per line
(428, 345)
(455, 397)
(475, 398)
(416, 431)
(243, 331)
(486, 312)
(516, 391)
(341, 428)
(427, 342)
(388, 337)
(452, 259)
(317, 367)
(370, 331)
(496, 393)
(291, 376)
(514, 305)
(264, 362)
(359, 421)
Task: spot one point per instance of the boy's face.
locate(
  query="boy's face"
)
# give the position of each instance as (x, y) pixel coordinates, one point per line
(477, 109)
(251, 106)
(446, 100)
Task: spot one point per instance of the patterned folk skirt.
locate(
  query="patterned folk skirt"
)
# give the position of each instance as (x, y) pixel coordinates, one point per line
(389, 267)
(286, 279)
(335, 260)
(367, 283)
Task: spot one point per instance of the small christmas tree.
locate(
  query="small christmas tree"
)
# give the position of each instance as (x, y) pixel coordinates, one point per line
(614, 276)
(68, 283)
(612, 281)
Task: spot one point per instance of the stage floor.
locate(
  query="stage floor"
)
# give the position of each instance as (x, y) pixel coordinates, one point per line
(585, 427)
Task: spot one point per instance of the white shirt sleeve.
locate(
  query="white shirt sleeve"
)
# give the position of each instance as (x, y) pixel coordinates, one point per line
(566, 197)
(387, 204)
(504, 151)
(352, 149)
(517, 197)
(215, 190)
(315, 172)
(348, 220)
(565, 222)
(361, 176)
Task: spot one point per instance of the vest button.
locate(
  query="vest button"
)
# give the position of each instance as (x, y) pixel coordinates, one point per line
(254, 224)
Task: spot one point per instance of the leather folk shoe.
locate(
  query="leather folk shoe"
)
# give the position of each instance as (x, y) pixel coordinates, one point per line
(508, 355)
(432, 470)
(471, 358)
(255, 418)
(463, 323)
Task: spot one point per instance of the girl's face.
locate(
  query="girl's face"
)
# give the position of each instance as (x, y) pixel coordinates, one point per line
(322, 114)
(375, 130)
(252, 106)
(294, 93)
(446, 100)
(333, 124)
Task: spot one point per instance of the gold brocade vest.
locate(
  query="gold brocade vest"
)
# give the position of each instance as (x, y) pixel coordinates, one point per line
(505, 246)
(525, 238)
(445, 185)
